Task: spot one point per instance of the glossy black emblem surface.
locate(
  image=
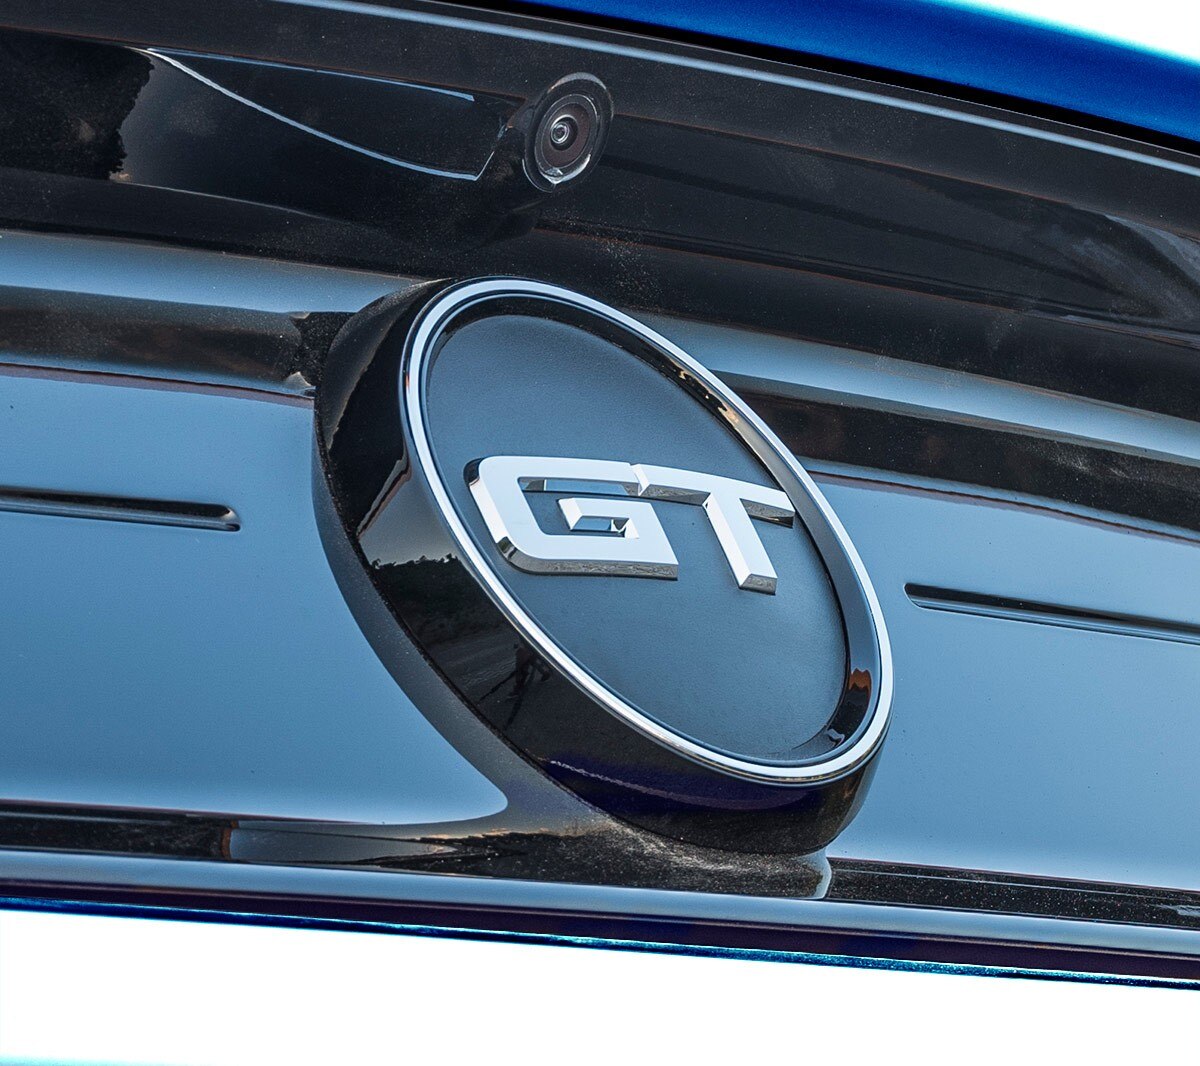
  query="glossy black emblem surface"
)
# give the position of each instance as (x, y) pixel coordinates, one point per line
(612, 560)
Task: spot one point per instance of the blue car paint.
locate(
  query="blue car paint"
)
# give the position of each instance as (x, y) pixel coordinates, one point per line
(959, 45)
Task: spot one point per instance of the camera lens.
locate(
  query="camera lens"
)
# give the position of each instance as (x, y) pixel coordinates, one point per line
(566, 138)
(563, 133)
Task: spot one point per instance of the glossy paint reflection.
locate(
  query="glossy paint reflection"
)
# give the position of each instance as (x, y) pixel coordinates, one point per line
(188, 669)
(1062, 751)
(776, 199)
(979, 328)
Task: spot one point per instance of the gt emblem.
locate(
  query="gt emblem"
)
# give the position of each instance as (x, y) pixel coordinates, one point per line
(620, 534)
(529, 416)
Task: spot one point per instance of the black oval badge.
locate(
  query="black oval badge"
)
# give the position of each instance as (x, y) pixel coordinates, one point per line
(623, 571)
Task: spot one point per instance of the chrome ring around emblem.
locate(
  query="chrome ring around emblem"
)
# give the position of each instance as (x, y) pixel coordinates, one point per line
(870, 662)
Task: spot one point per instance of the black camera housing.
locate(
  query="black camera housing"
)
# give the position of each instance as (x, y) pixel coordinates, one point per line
(566, 130)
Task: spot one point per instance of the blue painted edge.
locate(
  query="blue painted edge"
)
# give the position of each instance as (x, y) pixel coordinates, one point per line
(993, 52)
(231, 917)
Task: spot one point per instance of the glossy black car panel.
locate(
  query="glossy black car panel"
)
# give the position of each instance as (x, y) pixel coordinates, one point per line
(978, 330)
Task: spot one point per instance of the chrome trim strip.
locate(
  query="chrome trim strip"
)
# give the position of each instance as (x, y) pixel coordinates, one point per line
(185, 513)
(224, 882)
(1033, 612)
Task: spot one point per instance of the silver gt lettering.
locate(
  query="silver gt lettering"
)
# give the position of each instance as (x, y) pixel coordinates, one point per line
(620, 533)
